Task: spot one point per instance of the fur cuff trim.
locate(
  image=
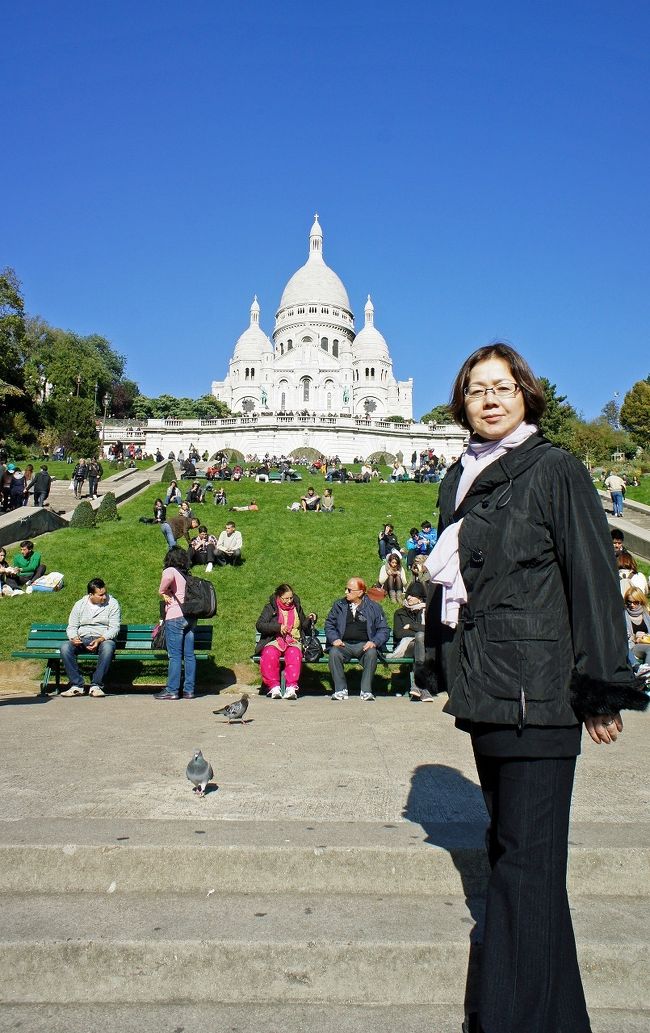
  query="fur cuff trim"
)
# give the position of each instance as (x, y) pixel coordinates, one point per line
(589, 697)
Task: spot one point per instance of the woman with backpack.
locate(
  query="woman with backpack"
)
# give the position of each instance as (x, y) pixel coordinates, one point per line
(179, 629)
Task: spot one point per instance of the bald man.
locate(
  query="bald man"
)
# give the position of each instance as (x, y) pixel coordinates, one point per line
(355, 628)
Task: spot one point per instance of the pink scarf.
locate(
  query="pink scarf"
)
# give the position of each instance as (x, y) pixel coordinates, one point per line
(286, 615)
(443, 563)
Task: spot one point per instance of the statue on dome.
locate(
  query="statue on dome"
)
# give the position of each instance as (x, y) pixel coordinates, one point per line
(265, 397)
(346, 396)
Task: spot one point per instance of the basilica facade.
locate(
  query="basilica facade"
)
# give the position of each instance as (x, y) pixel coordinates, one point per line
(315, 362)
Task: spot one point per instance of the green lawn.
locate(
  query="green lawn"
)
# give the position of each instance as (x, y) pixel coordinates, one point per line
(641, 493)
(314, 552)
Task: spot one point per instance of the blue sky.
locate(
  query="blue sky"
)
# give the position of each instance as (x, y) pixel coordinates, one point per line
(481, 169)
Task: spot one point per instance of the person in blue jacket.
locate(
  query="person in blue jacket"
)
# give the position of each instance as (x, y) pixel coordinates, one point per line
(355, 628)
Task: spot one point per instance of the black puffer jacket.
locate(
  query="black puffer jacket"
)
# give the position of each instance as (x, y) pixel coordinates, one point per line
(542, 639)
(268, 624)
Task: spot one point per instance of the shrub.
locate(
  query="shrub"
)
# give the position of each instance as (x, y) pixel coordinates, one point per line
(83, 516)
(168, 474)
(107, 509)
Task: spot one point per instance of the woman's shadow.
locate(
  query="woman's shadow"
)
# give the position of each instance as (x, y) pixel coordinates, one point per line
(450, 810)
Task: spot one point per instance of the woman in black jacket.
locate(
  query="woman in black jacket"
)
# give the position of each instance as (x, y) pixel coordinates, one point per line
(281, 625)
(526, 625)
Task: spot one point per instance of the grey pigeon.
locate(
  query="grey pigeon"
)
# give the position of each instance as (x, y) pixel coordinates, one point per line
(199, 771)
(235, 711)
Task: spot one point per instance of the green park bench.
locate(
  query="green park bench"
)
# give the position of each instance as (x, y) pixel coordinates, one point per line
(133, 643)
(402, 663)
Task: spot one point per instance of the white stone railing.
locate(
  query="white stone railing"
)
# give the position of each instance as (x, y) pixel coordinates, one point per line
(115, 431)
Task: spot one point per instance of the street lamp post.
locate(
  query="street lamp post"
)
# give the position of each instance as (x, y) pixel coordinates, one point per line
(107, 401)
(78, 383)
(95, 399)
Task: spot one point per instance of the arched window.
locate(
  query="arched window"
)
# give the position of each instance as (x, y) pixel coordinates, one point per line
(367, 372)
(324, 343)
(247, 373)
(335, 349)
(253, 373)
(283, 402)
(306, 385)
(289, 345)
(372, 372)
(281, 348)
(329, 388)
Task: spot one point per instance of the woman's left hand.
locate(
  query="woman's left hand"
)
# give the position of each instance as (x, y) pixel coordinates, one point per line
(313, 617)
(604, 727)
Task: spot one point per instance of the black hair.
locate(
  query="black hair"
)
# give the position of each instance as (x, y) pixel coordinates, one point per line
(522, 374)
(281, 589)
(178, 559)
(96, 583)
(27, 544)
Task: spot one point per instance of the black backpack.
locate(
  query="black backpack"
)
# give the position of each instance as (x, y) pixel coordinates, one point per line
(200, 598)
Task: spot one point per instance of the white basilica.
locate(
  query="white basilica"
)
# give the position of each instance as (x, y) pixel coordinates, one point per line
(315, 362)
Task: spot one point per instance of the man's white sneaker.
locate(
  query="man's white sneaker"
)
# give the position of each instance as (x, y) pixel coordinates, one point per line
(367, 697)
(95, 690)
(340, 696)
(275, 692)
(74, 690)
(291, 692)
(18, 591)
(208, 568)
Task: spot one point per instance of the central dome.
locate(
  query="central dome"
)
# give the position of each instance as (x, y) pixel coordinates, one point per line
(315, 282)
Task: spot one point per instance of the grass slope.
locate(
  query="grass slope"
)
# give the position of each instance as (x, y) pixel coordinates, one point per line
(314, 552)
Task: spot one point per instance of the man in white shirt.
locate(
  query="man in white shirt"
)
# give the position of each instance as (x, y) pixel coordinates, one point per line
(229, 546)
(93, 625)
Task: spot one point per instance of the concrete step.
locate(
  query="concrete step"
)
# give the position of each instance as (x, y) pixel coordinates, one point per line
(229, 948)
(133, 855)
(266, 1018)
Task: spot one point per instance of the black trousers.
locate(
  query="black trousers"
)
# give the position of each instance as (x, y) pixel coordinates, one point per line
(529, 980)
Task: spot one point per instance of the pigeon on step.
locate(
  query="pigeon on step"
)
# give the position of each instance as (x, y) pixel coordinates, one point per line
(235, 711)
(199, 771)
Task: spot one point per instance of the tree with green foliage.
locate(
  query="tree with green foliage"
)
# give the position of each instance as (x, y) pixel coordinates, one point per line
(166, 407)
(15, 400)
(439, 414)
(635, 412)
(559, 418)
(107, 510)
(83, 516)
(611, 412)
(75, 424)
(168, 474)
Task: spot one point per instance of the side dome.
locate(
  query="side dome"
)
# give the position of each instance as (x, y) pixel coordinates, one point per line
(253, 343)
(315, 281)
(369, 343)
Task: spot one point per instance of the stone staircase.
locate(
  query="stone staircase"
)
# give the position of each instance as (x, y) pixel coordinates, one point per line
(288, 927)
(331, 883)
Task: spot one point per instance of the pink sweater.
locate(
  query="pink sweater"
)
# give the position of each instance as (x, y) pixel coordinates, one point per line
(172, 583)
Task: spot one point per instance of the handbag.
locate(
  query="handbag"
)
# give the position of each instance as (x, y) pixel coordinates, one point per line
(312, 650)
(159, 636)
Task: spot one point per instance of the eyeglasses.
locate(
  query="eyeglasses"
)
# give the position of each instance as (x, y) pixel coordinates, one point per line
(506, 389)
(352, 589)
